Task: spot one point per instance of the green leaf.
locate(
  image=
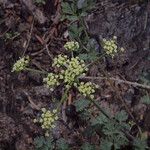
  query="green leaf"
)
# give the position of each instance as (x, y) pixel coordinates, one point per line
(85, 115)
(121, 116)
(83, 14)
(89, 131)
(45, 148)
(125, 125)
(93, 56)
(84, 56)
(40, 2)
(42, 143)
(85, 5)
(49, 142)
(145, 78)
(66, 8)
(81, 4)
(75, 31)
(101, 119)
(111, 128)
(62, 144)
(146, 99)
(71, 17)
(39, 142)
(87, 146)
(81, 104)
(140, 144)
(119, 140)
(106, 145)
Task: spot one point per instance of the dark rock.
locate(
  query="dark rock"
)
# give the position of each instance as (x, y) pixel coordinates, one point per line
(41, 91)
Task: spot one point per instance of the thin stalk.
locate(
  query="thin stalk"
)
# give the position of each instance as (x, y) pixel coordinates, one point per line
(100, 109)
(84, 27)
(64, 97)
(36, 71)
(82, 45)
(72, 55)
(96, 60)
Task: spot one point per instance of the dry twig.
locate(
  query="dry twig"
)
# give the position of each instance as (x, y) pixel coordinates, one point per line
(135, 84)
(32, 104)
(29, 39)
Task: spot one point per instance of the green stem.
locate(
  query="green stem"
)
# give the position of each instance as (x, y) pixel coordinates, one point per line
(100, 109)
(96, 60)
(84, 27)
(64, 97)
(82, 44)
(36, 71)
(72, 55)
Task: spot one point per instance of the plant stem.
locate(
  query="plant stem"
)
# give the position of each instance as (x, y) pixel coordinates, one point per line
(72, 55)
(84, 27)
(64, 97)
(82, 45)
(100, 109)
(36, 71)
(96, 60)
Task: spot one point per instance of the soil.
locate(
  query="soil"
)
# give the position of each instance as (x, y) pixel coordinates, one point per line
(21, 95)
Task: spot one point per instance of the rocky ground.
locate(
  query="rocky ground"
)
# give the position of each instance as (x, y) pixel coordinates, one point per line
(38, 32)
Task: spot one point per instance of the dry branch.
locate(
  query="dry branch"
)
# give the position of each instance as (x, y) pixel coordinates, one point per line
(135, 84)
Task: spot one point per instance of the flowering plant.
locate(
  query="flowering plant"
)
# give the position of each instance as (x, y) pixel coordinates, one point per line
(21, 64)
(110, 47)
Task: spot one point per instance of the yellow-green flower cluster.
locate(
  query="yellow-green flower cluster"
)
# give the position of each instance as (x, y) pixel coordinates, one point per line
(72, 68)
(21, 64)
(87, 89)
(110, 47)
(60, 60)
(47, 119)
(51, 80)
(75, 68)
(71, 46)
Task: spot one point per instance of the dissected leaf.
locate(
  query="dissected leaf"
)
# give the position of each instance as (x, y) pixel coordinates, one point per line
(119, 141)
(83, 14)
(45, 148)
(121, 116)
(146, 99)
(66, 8)
(101, 119)
(93, 45)
(140, 144)
(81, 4)
(84, 56)
(89, 131)
(111, 128)
(49, 142)
(87, 146)
(39, 142)
(106, 145)
(62, 144)
(42, 2)
(42, 143)
(75, 31)
(93, 56)
(71, 18)
(81, 104)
